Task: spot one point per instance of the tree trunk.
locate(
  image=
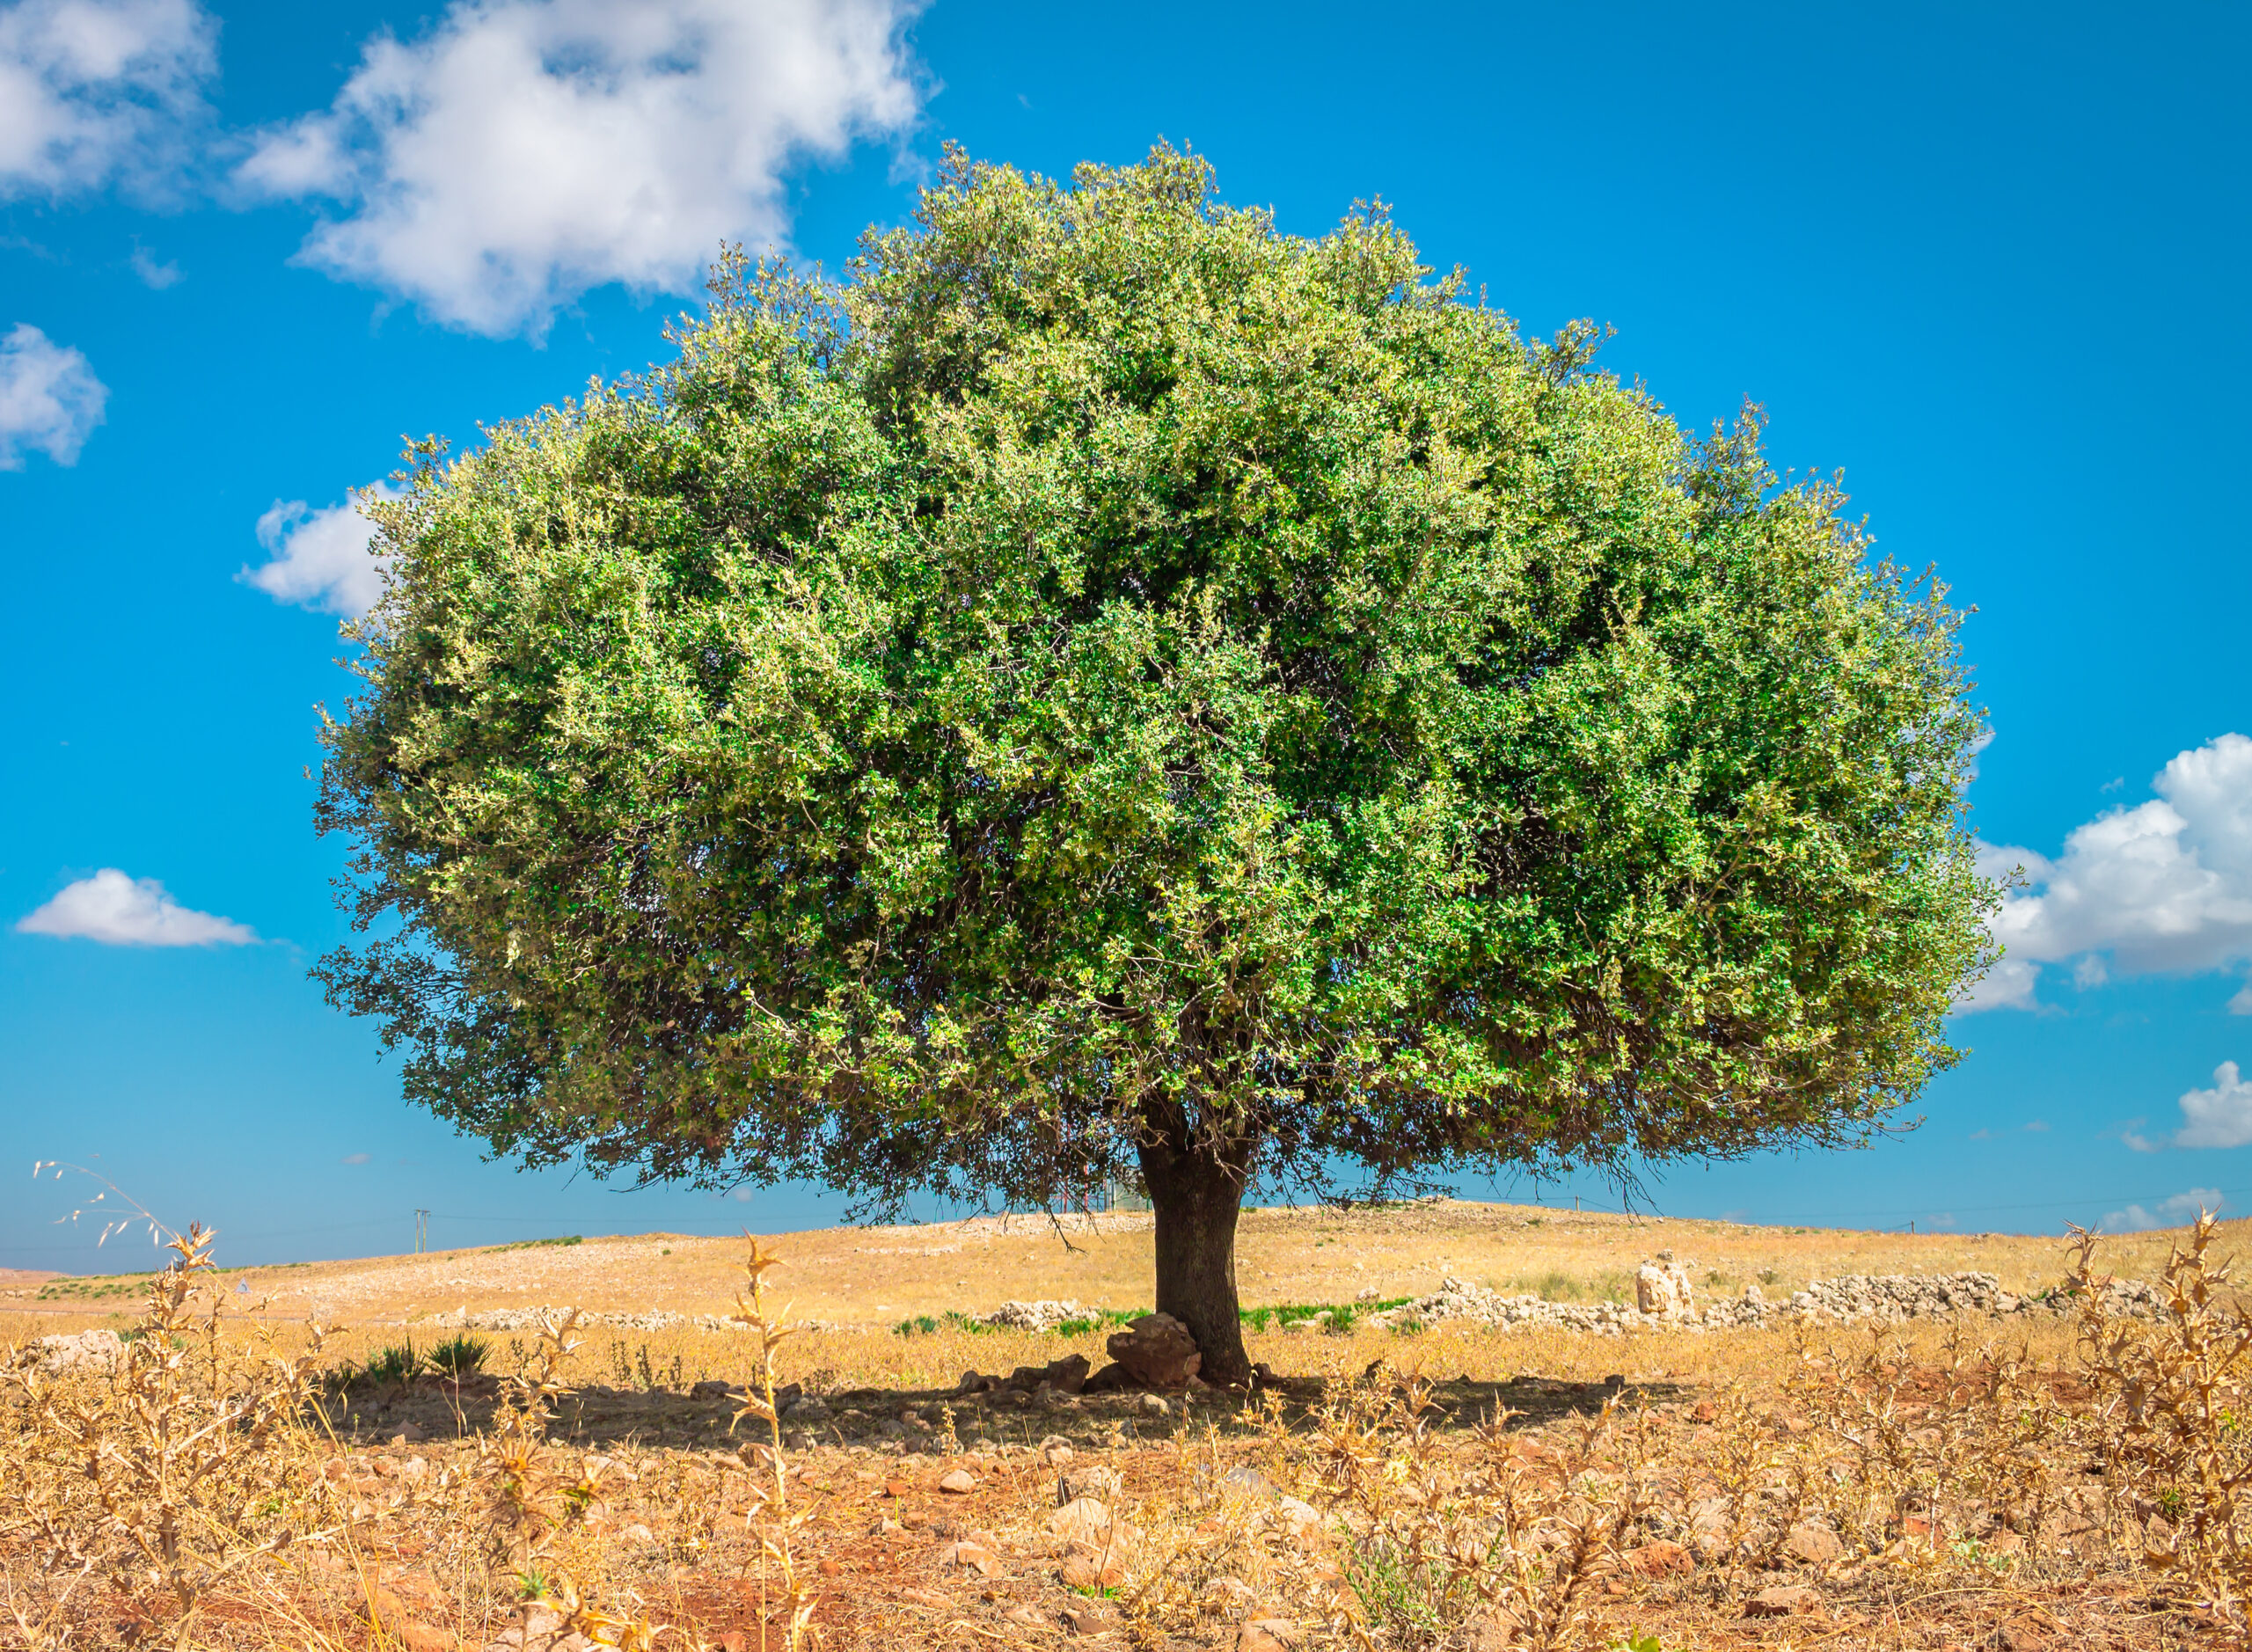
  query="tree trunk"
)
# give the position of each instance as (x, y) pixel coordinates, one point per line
(1195, 1193)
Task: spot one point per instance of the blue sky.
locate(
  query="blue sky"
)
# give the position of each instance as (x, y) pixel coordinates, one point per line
(1990, 265)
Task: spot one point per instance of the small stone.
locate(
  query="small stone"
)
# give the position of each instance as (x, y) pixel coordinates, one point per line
(1817, 1546)
(2021, 1634)
(1154, 1405)
(976, 1556)
(1243, 1477)
(1088, 1567)
(1088, 1617)
(1084, 1520)
(1268, 1634)
(1029, 1617)
(1094, 1480)
(1660, 1558)
(1782, 1601)
(957, 1483)
(930, 1598)
(1296, 1513)
(637, 1533)
(1230, 1594)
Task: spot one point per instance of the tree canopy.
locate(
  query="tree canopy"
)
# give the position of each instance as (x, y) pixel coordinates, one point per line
(1107, 685)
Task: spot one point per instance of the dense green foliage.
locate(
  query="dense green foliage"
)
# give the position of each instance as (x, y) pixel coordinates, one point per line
(1106, 670)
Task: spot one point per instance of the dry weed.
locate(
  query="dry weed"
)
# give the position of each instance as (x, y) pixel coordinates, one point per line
(181, 1470)
(2169, 1422)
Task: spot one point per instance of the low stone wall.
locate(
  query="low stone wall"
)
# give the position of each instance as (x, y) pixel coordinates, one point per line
(1883, 1299)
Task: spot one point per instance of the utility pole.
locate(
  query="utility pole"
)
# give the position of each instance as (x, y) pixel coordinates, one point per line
(421, 1231)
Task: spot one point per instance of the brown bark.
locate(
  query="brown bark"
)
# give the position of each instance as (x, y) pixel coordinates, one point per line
(1195, 1191)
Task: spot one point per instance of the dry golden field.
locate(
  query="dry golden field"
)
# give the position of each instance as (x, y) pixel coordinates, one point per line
(2037, 1480)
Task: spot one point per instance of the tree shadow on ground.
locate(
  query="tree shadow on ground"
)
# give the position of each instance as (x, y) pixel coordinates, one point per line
(907, 1422)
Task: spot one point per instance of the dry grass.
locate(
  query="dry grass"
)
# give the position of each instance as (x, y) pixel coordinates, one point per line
(874, 1277)
(241, 1481)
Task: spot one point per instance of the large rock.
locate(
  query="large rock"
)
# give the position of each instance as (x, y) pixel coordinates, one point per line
(1157, 1352)
(1662, 1288)
(97, 1351)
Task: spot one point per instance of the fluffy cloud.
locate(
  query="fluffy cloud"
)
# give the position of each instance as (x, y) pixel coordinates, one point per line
(2217, 1117)
(321, 558)
(2163, 887)
(92, 90)
(2178, 1211)
(50, 400)
(524, 151)
(122, 911)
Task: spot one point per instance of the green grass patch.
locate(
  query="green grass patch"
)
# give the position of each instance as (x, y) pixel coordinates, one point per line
(534, 1244)
(1342, 1315)
(931, 1324)
(1100, 1319)
(108, 1287)
(460, 1355)
(392, 1367)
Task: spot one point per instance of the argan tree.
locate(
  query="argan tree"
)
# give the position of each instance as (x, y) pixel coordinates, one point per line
(1109, 687)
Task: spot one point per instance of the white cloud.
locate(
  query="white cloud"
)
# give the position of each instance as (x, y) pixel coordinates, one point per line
(2009, 985)
(2241, 1003)
(2220, 1116)
(154, 274)
(2165, 886)
(122, 911)
(321, 558)
(2178, 1211)
(50, 400)
(524, 151)
(92, 90)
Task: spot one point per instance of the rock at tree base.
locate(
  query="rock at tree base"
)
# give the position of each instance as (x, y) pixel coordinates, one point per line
(1157, 1351)
(1066, 1376)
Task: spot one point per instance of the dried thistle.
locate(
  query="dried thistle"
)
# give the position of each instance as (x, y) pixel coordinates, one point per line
(770, 1516)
